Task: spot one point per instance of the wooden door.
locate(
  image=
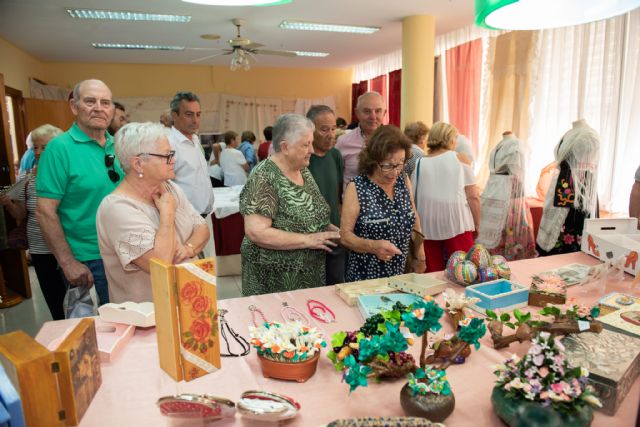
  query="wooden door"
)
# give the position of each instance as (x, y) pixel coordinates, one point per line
(47, 111)
(13, 263)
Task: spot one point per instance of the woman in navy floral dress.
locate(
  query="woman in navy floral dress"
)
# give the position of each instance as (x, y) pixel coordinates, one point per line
(378, 212)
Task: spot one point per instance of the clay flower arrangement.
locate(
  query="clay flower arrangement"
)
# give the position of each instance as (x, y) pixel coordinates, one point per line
(543, 386)
(391, 338)
(566, 319)
(547, 288)
(287, 350)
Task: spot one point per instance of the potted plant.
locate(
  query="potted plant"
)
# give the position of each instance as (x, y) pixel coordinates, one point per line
(287, 351)
(543, 388)
(427, 394)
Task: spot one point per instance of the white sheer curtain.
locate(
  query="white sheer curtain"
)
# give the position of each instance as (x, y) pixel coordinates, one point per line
(590, 72)
(239, 113)
(376, 67)
(303, 105)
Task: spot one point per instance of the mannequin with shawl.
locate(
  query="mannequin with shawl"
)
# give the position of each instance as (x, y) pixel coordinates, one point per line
(506, 227)
(573, 193)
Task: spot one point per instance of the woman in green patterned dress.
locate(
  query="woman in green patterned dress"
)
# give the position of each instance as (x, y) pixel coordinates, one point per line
(286, 219)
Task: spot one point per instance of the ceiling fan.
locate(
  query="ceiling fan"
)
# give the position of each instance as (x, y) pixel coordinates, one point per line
(243, 50)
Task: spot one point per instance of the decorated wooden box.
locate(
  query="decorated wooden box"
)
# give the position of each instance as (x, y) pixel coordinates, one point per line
(186, 316)
(613, 361)
(611, 238)
(67, 377)
(498, 294)
(625, 320)
(350, 292)
(418, 284)
(547, 289)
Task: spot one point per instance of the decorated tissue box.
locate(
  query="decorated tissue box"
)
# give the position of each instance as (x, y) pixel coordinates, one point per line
(56, 384)
(418, 284)
(350, 292)
(613, 362)
(625, 320)
(186, 316)
(112, 338)
(130, 313)
(611, 238)
(547, 289)
(498, 294)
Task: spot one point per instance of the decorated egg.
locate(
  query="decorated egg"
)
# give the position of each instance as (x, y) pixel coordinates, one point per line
(465, 273)
(503, 270)
(486, 274)
(454, 259)
(479, 255)
(497, 260)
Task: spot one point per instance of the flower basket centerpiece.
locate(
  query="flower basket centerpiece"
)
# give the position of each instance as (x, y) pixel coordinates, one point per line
(287, 351)
(383, 342)
(543, 388)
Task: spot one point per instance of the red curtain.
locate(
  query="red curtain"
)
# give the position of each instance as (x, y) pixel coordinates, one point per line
(464, 65)
(395, 92)
(379, 84)
(357, 89)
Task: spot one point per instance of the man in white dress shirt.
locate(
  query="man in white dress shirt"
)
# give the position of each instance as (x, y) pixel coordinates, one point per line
(191, 168)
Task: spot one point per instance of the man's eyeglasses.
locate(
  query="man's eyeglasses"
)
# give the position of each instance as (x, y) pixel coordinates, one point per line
(109, 162)
(388, 167)
(167, 156)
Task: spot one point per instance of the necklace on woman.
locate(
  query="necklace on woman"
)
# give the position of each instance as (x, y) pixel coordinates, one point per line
(320, 312)
(236, 336)
(253, 309)
(292, 314)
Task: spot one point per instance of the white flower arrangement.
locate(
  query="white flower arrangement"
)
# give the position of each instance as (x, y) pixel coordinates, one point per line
(290, 342)
(457, 301)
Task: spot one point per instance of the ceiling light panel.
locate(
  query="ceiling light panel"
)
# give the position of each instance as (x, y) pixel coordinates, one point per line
(135, 46)
(316, 26)
(122, 15)
(238, 2)
(312, 54)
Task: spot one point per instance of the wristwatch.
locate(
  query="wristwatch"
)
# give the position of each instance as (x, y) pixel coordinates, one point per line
(192, 247)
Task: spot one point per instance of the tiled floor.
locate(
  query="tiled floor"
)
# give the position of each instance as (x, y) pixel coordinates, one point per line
(30, 314)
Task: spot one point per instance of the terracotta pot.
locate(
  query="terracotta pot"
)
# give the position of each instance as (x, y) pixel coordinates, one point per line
(300, 371)
(434, 407)
(520, 412)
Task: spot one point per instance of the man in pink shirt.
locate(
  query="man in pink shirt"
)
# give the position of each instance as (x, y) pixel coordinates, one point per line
(370, 110)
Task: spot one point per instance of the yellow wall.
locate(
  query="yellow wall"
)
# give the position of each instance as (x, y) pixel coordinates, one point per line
(17, 66)
(138, 80)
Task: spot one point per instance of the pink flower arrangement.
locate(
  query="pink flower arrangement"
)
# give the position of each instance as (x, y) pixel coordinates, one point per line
(546, 377)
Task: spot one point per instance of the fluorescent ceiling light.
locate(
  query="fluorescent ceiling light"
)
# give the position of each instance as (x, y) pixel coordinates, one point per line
(239, 2)
(313, 54)
(315, 26)
(123, 15)
(135, 46)
(538, 14)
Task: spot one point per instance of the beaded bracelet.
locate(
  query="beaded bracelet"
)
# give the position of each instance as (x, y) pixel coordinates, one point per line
(292, 314)
(236, 336)
(320, 312)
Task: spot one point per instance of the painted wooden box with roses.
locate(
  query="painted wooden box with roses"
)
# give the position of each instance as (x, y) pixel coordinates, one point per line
(186, 314)
(609, 239)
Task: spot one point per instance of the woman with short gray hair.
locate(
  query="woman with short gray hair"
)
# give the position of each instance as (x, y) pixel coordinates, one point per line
(286, 218)
(146, 216)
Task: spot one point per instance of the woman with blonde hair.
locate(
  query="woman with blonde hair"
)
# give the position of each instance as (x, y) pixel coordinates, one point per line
(23, 208)
(446, 197)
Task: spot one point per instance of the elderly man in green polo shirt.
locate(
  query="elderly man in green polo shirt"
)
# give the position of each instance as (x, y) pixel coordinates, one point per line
(76, 171)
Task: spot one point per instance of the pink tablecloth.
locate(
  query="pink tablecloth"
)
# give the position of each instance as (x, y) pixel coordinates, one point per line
(134, 381)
